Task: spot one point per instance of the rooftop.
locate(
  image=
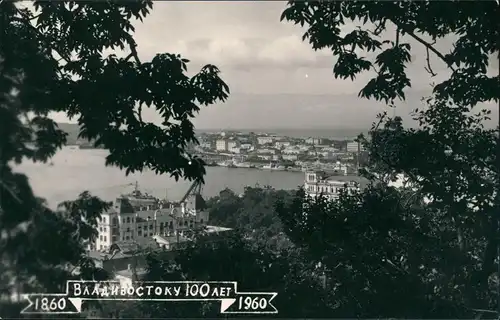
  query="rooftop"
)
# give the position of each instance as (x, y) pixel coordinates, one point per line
(170, 239)
(331, 176)
(129, 273)
(210, 229)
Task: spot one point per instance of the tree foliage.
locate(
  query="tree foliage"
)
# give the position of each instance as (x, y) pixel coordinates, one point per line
(236, 259)
(54, 58)
(384, 28)
(427, 249)
(251, 213)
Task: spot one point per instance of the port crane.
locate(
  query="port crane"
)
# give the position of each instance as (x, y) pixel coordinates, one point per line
(195, 189)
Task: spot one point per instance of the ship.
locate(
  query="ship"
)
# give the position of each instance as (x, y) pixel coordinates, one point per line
(242, 165)
(212, 164)
(226, 163)
(273, 166)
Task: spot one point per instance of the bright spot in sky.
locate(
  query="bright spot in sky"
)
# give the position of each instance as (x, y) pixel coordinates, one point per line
(307, 76)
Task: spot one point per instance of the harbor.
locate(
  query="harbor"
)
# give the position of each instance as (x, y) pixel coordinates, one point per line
(80, 170)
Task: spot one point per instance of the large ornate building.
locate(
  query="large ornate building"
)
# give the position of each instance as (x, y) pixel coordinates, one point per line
(138, 218)
(329, 184)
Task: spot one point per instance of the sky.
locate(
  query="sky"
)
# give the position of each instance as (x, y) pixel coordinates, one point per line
(276, 79)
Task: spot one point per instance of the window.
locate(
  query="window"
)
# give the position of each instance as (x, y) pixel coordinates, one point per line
(127, 238)
(171, 225)
(114, 238)
(185, 223)
(105, 238)
(100, 229)
(139, 233)
(115, 221)
(139, 227)
(161, 225)
(132, 219)
(151, 234)
(100, 238)
(150, 227)
(128, 229)
(100, 247)
(105, 230)
(128, 219)
(103, 219)
(201, 220)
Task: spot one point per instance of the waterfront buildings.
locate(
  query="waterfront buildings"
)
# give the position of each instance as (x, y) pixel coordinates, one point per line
(221, 145)
(353, 147)
(314, 141)
(233, 146)
(265, 140)
(330, 184)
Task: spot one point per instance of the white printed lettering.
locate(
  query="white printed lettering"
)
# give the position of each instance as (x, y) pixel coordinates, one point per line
(167, 291)
(123, 291)
(104, 292)
(140, 291)
(114, 290)
(149, 289)
(177, 291)
(77, 289)
(204, 290)
(157, 291)
(95, 292)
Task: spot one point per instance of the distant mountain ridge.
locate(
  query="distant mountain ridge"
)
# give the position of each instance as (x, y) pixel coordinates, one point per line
(73, 129)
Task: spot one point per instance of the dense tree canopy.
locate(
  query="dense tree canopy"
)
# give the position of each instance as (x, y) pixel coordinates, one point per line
(251, 213)
(450, 163)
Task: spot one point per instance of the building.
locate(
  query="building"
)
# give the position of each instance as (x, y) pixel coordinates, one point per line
(246, 146)
(290, 157)
(353, 147)
(206, 145)
(292, 150)
(314, 141)
(232, 144)
(281, 144)
(265, 140)
(235, 150)
(330, 184)
(266, 151)
(221, 145)
(139, 223)
(265, 156)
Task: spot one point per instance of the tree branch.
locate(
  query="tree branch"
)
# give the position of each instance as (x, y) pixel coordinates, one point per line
(428, 45)
(26, 21)
(429, 68)
(133, 49)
